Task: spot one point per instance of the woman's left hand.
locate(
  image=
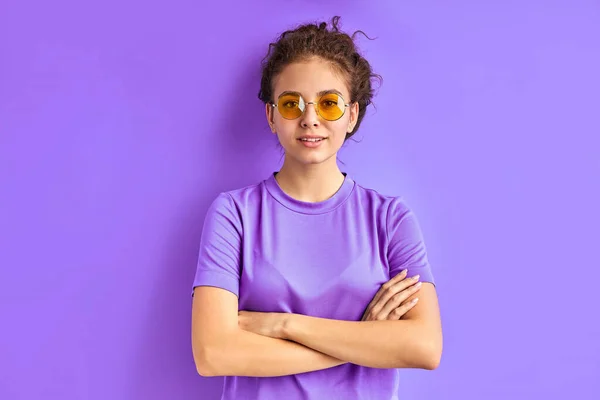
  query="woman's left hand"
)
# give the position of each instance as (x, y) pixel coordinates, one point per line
(263, 323)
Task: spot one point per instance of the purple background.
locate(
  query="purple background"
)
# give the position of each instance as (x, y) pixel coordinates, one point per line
(116, 131)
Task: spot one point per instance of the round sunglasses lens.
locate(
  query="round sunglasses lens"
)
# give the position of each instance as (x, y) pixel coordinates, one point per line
(331, 106)
(289, 106)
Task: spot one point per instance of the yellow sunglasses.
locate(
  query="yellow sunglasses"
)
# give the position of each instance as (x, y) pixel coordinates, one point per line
(329, 106)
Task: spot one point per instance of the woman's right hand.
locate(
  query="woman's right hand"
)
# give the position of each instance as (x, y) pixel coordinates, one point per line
(390, 301)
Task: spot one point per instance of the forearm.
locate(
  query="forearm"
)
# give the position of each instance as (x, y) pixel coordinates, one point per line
(377, 344)
(242, 353)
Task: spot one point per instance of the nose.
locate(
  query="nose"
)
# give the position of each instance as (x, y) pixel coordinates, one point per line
(310, 118)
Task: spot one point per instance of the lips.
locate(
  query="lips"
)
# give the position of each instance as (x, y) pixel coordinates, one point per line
(312, 142)
(311, 139)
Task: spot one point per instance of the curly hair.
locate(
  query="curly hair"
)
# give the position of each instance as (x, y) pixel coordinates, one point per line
(333, 45)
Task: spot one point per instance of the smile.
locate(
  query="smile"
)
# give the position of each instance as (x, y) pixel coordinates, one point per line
(311, 140)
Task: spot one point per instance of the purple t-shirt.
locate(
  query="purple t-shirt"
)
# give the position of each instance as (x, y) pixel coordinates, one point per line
(325, 259)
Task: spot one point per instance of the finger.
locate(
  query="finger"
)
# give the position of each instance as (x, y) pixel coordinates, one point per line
(399, 277)
(392, 291)
(373, 312)
(399, 298)
(403, 309)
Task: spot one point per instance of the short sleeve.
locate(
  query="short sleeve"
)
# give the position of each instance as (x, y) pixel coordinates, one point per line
(406, 247)
(219, 259)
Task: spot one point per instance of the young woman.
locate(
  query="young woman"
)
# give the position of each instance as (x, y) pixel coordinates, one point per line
(307, 282)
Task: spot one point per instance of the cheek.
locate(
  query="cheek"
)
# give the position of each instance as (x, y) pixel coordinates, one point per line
(285, 127)
(340, 127)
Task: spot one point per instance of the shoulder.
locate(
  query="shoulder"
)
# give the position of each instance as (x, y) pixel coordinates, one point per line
(243, 193)
(236, 200)
(382, 203)
(394, 214)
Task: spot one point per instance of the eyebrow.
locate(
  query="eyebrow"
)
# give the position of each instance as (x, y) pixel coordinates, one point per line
(321, 93)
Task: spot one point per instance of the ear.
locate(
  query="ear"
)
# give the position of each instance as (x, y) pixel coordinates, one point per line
(269, 112)
(354, 108)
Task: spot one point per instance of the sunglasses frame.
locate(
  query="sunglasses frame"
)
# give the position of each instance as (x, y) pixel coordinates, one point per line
(315, 104)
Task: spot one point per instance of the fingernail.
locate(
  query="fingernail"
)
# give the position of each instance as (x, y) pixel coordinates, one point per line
(419, 284)
(414, 300)
(404, 271)
(416, 277)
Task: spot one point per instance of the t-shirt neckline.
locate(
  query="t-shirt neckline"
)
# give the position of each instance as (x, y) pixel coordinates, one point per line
(320, 207)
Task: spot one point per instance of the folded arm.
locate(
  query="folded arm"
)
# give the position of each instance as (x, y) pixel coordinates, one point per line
(221, 348)
(415, 341)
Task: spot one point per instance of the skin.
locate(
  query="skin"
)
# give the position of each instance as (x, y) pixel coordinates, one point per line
(394, 332)
(310, 174)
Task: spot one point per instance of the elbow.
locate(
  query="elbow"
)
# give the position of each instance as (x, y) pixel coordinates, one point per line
(431, 355)
(213, 356)
(206, 373)
(432, 362)
(426, 354)
(205, 365)
(205, 370)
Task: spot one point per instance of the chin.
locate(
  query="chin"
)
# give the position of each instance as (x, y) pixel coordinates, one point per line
(312, 159)
(307, 156)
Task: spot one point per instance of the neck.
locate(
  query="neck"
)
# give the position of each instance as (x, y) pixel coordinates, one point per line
(310, 183)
